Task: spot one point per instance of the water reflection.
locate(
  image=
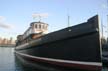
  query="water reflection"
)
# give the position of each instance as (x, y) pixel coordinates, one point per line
(7, 59)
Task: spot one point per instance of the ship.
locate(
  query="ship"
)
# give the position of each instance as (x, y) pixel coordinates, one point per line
(77, 46)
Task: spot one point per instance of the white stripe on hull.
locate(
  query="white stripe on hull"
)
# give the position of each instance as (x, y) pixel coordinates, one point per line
(63, 61)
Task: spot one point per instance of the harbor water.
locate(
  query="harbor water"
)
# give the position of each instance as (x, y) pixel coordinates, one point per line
(9, 62)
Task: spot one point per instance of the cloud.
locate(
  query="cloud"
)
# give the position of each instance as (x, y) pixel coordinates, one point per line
(5, 26)
(2, 18)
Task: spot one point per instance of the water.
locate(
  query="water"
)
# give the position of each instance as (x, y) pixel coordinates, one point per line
(8, 62)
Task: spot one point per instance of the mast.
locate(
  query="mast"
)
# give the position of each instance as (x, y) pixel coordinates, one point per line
(107, 28)
(68, 20)
(102, 27)
(107, 21)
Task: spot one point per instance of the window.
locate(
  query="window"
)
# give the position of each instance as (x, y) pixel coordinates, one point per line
(36, 26)
(39, 26)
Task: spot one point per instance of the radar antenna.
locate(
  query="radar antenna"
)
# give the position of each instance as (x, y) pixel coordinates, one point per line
(39, 16)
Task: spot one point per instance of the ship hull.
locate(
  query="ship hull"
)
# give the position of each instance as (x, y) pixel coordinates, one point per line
(73, 47)
(94, 66)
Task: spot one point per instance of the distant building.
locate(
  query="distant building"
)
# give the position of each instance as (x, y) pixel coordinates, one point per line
(10, 41)
(0, 40)
(5, 41)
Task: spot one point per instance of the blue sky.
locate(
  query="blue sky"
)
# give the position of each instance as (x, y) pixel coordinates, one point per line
(16, 15)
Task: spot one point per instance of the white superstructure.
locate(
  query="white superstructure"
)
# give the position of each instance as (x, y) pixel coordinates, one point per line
(35, 28)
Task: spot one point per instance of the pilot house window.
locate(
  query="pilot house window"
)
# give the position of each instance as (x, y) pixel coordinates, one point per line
(40, 26)
(35, 26)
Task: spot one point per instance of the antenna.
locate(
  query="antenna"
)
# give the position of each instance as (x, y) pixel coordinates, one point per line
(39, 16)
(107, 21)
(102, 27)
(107, 26)
(68, 16)
(68, 20)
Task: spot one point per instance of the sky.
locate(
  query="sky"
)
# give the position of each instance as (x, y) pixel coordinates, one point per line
(16, 15)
